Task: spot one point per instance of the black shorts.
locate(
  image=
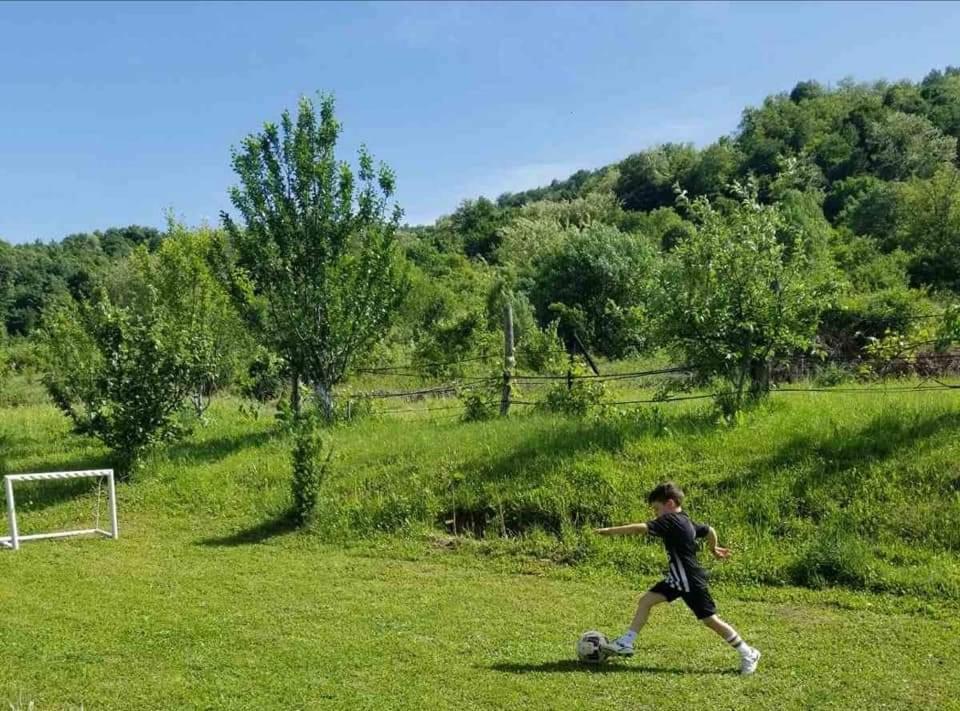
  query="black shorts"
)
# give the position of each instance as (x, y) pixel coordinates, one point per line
(698, 599)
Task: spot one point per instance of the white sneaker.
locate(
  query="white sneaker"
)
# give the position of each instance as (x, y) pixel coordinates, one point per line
(748, 662)
(619, 647)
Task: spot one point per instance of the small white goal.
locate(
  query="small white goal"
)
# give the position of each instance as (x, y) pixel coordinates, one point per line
(14, 539)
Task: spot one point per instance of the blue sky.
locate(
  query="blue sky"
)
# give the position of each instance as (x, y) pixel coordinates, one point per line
(112, 113)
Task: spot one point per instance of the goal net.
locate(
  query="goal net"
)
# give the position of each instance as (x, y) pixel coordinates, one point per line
(105, 480)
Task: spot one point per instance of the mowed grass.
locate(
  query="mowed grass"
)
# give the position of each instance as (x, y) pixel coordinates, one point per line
(165, 619)
(209, 601)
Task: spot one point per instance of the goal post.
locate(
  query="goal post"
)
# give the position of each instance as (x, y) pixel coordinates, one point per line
(14, 539)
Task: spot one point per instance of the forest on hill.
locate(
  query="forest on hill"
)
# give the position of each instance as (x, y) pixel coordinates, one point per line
(859, 183)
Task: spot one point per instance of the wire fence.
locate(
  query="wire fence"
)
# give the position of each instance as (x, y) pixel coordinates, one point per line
(805, 365)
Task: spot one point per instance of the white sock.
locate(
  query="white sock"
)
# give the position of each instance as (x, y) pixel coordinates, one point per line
(628, 637)
(742, 647)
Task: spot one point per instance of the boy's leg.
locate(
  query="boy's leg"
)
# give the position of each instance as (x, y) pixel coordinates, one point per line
(649, 599)
(623, 645)
(702, 605)
(748, 655)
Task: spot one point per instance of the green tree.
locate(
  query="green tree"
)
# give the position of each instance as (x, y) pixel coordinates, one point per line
(941, 96)
(593, 280)
(734, 297)
(478, 224)
(906, 145)
(928, 229)
(317, 245)
(126, 364)
(647, 179)
(716, 167)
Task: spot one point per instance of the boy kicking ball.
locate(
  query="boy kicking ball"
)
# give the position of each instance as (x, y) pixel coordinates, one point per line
(685, 577)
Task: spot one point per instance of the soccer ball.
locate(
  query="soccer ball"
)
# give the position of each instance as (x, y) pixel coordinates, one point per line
(590, 647)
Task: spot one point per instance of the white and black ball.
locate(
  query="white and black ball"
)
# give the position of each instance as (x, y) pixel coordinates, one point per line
(590, 647)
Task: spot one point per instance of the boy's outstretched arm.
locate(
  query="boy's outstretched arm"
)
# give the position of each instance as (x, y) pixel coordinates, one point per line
(631, 529)
(717, 551)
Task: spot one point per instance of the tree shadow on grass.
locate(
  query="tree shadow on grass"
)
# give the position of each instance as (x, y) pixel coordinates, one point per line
(211, 450)
(260, 533)
(539, 455)
(572, 666)
(551, 452)
(817, 460)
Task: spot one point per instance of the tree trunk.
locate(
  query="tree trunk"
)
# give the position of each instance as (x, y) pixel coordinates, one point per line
(295, 393)
(324, 395)
(759, 378)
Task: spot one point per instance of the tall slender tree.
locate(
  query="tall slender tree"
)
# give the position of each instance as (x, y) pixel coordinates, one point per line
(317, 245)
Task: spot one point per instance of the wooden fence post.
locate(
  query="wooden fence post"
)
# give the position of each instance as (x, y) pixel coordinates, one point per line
(509, 361)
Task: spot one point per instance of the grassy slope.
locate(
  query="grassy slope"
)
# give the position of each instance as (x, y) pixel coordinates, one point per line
(202, 604)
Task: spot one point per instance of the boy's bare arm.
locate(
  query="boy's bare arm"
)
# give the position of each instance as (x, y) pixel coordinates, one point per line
(631, 529)
(717, 551)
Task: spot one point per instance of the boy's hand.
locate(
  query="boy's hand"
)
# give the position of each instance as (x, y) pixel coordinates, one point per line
(720, 553)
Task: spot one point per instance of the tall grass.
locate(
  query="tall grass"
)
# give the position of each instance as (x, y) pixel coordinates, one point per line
(856, 489)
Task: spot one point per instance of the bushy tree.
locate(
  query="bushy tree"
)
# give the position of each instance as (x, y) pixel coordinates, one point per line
(126, 364)
(929, 229)
(317, 245)
(733, 297)
(592, 281)
(941, 95)
(478, 224)
(647, 179)
(906, 145)
(717, 165)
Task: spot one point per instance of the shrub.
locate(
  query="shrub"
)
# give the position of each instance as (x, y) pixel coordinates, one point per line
(126, 365)
(311, 459)
(593, 281)
(833, 374)
(264, 379)
(580, 399)
(478, 406)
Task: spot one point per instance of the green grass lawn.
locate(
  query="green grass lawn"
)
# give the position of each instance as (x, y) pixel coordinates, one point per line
(166, 618)
(207, 601)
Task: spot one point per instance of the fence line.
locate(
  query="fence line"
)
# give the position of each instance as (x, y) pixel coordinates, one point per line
(541, 380)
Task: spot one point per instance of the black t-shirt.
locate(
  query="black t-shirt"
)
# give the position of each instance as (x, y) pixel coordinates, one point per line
(679, 535)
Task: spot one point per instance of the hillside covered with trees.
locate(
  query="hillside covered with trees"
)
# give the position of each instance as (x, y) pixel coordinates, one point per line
(828, 225)
(869, 170)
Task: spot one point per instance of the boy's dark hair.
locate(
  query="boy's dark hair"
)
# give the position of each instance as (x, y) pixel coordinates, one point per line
(662, 493)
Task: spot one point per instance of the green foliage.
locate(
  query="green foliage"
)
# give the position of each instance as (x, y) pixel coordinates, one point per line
(311, 461)
(124, 364)
(593, 281)
(478, 223)
(929, 229)
(6, 367)
(108, 370)
(317, 246)
(479, 405)
(647, 179)
(578, 399)
(34, 276)
(733, 298)
(581, 183)
(540, 350)
(908, 146)
(453, 340)
(264, 378)
(874, 211)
